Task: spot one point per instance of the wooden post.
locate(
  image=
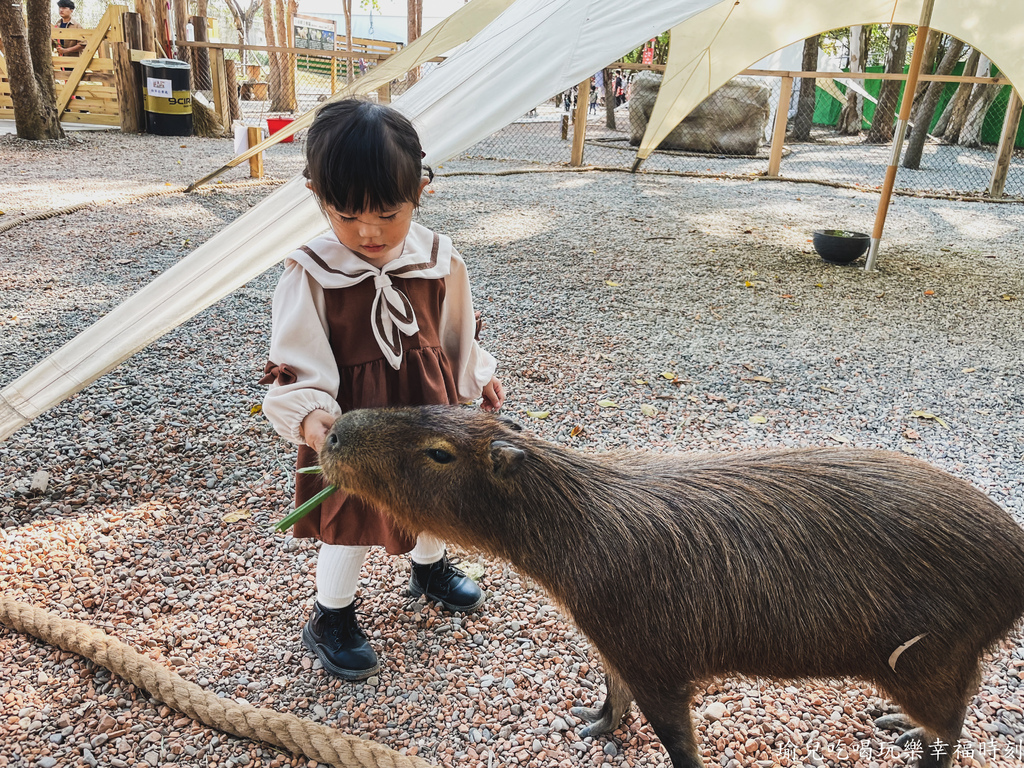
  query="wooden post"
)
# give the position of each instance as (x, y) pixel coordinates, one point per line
(384, 93)
(231, 78)
(256, 161)
(334, 74)
(133, 30)
(129, 89)
(779, 136)
(579, 128)
(220, 86)
(565, 127)
(1006, 142)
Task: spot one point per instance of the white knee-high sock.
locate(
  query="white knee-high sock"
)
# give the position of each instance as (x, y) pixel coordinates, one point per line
(429, 549)
(337, 574)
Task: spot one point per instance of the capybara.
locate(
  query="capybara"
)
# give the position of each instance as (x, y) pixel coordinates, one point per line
(803, 563)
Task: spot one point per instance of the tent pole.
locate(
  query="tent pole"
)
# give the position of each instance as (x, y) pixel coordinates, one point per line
(916, 62)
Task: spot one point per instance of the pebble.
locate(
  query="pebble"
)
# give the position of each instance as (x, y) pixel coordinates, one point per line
(144, 464)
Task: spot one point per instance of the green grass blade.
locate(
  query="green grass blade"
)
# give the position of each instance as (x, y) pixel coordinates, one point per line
(310, 471)
(304, 509)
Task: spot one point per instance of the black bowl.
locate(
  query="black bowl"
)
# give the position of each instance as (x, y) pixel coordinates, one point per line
(838, 246)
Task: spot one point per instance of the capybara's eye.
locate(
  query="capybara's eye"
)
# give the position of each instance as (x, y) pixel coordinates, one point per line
(441, 457)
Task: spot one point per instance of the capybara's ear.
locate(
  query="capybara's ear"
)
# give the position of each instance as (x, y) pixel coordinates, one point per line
(515, 426)
(505, 457)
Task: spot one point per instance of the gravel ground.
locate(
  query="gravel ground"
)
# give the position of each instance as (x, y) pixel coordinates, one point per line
(163, 483)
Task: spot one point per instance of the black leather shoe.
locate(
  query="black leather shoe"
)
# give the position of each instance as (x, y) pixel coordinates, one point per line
(443, 583)
(336, 639)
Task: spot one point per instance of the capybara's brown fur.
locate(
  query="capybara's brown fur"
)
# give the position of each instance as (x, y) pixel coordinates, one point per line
(807, 563)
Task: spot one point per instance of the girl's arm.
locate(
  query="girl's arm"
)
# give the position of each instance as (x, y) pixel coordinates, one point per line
(302, 372)
(472, 366)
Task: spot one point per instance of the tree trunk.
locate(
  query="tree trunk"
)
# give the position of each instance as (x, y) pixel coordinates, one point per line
(930, 57)
(202, 80)
(952, 120)
(180, 8)
(274, 79)
(804, 118)
(162, 33)
(981, 99)
(885, 111)
(286, 59)
(30, 70)
(915, 147)
(414, 28)
(851, 118)
(145, 10)
(609, 99)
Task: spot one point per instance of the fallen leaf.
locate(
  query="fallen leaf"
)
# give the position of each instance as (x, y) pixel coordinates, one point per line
(474, 570)
(611, 283)
(1008, 297)
(668, 375)
(826, 389)
(236, 515)
(607, 403)
(538, 414)
(757, 419)
(649, 410)
(840, 438)
(748, 284)
(818, 285)
(716, 398)
(255, 409)
(929, 292)
(930, 417)
(576, 431)
(764, 379)
(785, 295)
(912, 434)
(969, 370)
(640, 382)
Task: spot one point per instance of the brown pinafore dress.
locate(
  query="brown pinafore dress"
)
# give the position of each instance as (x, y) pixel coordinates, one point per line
(368, 381)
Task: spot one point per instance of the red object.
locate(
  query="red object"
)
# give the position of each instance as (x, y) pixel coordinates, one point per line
(648, 56)
(275, 124)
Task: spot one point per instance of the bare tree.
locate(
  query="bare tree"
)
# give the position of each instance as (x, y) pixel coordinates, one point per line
(804, 118)
(927, 105)
(952, 119)
(414, 28)
(851, 117)
(287, 60)
(885, 111)
(30, 69)
(609, 98)
(981, 99)
(244, 17)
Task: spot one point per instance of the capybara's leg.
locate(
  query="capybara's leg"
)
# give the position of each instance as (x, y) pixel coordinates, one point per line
(672, 721)
(607, 717)
(939, 706)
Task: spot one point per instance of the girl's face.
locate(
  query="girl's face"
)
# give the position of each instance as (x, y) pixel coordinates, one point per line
(378, 237)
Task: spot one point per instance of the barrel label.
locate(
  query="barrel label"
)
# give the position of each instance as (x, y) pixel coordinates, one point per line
(179, 103)
(156, 86)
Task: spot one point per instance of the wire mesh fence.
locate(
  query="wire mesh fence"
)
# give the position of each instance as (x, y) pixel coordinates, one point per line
(733, 136)
(841, 135)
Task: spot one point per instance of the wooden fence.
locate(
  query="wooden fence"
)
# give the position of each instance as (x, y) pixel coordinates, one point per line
(100, 86)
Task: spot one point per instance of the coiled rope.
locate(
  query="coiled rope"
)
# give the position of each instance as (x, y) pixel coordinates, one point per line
(304, 737)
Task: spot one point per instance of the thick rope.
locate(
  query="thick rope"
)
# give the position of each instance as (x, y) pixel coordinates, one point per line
(126, 199)
(315, 741)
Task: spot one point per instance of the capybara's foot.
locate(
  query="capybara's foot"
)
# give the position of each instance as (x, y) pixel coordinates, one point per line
(918, 734)
(897, 722)
(600, 719)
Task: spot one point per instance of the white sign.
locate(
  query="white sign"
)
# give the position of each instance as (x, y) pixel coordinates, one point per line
(157, 87)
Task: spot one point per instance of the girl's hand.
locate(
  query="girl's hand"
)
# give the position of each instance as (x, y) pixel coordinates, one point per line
(315, 427)
(494, 396)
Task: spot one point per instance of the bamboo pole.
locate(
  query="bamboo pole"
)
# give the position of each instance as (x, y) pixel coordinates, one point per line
(913, 75)
(1006, 142)
(579, 127)
(779, 135)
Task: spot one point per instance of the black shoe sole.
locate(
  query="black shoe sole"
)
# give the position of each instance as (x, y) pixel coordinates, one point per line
(352, 675)
(415, 592)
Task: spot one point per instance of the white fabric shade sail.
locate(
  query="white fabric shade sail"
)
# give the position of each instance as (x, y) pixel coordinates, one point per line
(518, 54)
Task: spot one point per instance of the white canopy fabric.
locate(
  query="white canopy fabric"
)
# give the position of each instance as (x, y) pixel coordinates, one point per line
(532, 50)
(712, 47)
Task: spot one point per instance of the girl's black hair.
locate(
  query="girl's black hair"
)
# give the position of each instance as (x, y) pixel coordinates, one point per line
(362, 156)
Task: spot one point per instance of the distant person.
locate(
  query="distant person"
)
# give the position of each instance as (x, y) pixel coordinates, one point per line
(68, 47)
(592, 109)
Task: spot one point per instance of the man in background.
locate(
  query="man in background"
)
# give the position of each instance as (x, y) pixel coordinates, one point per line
(67, 47)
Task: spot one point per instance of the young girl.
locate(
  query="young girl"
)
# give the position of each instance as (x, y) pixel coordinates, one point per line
(376, 312)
